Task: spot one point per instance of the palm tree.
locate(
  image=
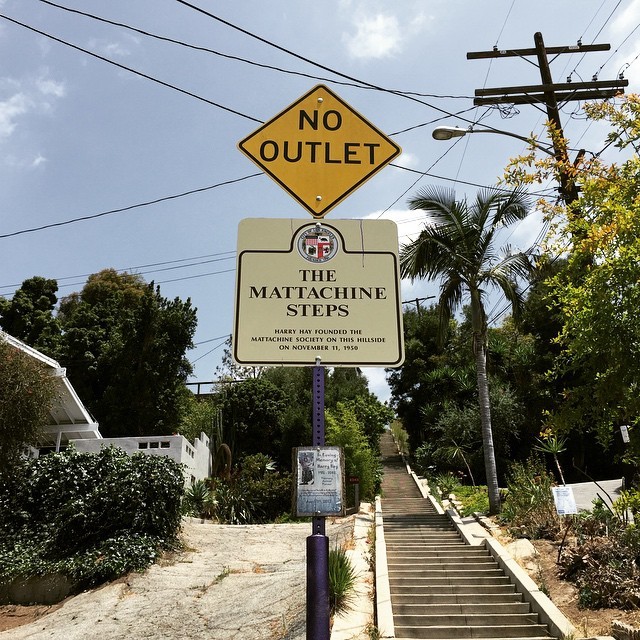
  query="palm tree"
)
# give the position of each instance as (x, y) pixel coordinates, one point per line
(458, 246)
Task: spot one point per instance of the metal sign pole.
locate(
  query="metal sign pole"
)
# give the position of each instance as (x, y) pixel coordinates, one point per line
(318, 542)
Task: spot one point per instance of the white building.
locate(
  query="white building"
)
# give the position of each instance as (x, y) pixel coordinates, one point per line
(196, 457)
(68, 417)
(71, 423)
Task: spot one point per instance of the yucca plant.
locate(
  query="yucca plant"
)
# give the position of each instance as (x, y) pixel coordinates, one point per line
(342, 580)
(198, 500)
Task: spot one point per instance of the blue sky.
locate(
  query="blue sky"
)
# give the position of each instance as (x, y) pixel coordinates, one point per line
(80, 136)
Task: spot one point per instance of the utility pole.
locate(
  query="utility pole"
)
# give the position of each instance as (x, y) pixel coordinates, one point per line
(549, 94)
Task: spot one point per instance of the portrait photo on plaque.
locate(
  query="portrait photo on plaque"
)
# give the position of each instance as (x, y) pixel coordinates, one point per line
(319, 481)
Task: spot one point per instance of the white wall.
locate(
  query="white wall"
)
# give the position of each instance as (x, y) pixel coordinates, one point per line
(196, 457)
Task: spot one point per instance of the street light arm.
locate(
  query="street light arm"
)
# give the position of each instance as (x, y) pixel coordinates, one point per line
(447, 133)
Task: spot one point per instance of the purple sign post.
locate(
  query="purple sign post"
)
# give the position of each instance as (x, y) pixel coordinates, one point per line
(318, 542)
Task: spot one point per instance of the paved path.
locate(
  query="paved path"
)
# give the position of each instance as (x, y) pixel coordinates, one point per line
(231, 583)
(586, 492)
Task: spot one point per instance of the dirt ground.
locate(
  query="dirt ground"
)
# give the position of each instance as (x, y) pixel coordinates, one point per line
(588, 623)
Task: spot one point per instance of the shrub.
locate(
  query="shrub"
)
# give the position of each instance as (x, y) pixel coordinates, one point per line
(342, 579)
(529, 510)
(423, 459)
(90, 516)
(255, 493)
(401, 437)
(199, 500)
(603, 562)
(604, 571)
(27, 391)
(233, 504)
(472, 499)
(443, 484)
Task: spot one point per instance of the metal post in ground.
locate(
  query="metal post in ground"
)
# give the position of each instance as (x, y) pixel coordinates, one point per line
(318, 542)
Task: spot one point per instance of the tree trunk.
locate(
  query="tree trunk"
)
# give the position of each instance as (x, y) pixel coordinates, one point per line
(487, 433)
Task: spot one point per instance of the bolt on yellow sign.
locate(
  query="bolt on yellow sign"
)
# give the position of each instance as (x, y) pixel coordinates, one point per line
(308, 290)
(319, 150)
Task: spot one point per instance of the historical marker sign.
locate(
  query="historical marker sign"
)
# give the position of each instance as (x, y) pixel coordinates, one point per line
(319, 150)
(308, 290)
(319, 481)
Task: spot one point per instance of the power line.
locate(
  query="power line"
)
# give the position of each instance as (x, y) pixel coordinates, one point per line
(131, 70)
(200, 190)
(364, 83)
(146, 266)
(423, 174)
(225, 337)
(204, 355)
(202, 49)
(127, 208)
(471, 184)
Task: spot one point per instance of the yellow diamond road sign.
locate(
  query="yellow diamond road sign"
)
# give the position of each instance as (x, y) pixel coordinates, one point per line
(319, 150)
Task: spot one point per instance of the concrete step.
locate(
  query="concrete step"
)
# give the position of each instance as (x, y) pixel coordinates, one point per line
(439, 565)
(464, 619)
(530, 632)
(433, 551)
(430, 557)
(460, 608)
(450, 547)
(436, 571)
(426, 522)
(441, 588)
(417, 579)
(418, 534)
(445, 599)
(417, 587)
(434, 557)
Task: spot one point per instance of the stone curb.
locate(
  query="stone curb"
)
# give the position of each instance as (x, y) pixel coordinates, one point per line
(385, 624)
(352, 625)
(540, 603)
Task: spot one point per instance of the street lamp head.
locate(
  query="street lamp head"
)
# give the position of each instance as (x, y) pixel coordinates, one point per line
(446, 133)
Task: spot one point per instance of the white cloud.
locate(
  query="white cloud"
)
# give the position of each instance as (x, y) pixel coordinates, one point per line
(376, 32)
(629, 16)
(109, 49)
(10, 110)
(407, 160)
(523, 235)
(377, 36)
(49, 87)
(38, 160)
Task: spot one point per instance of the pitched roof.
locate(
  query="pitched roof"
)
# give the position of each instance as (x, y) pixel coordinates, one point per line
(69, 418)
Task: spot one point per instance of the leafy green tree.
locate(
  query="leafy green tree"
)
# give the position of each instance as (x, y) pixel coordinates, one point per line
(372, 415)
(344, 430)
(344, 383)
(29, 317)
(296, 383)
(411, 388)
(252, 414)
(124, 347)
(197, 416)
(458, 245)
(27, 392)
(596, 294)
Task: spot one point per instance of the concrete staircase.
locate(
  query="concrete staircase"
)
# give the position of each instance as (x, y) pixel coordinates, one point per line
(440, 587)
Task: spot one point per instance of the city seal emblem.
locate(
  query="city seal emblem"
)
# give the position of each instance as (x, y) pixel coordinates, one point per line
(317, 244)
